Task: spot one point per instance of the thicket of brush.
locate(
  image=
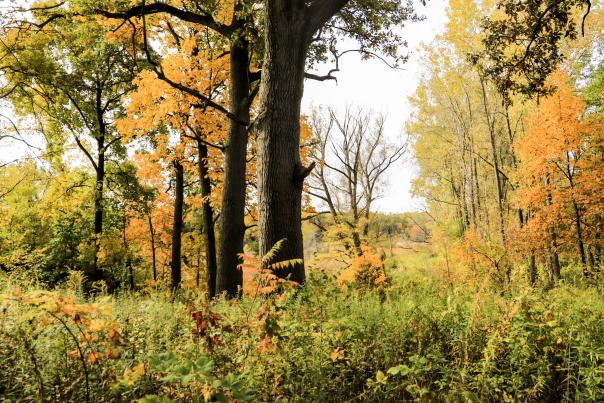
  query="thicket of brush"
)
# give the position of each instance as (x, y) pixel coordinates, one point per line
(414, 340)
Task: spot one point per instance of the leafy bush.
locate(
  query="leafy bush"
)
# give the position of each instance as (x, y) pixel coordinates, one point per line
(366, 272)
(412, 341)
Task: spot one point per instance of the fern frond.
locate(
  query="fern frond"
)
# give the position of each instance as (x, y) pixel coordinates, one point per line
(270, 255)
(284, 264)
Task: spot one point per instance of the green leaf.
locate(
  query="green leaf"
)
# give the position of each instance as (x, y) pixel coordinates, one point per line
(221, 397)
(380, 377)
(402, 370)
(204, 366)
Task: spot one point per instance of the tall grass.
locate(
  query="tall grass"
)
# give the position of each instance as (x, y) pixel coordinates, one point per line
(419, 340)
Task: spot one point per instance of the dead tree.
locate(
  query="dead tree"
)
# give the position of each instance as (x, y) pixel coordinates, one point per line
(352, 155)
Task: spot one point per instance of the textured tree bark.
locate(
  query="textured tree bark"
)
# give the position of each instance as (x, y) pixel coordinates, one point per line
(229, 278)
(208, 219)
(175, 264)
(288, 29)
(280, 174)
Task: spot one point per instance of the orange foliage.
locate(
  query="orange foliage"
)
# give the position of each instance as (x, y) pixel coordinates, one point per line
(365, 272)
(138, 233)
(97, 337)
(174, 120)
(561, 172)
(478, 259)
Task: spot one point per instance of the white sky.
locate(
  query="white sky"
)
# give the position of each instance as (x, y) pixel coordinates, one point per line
(373, 85)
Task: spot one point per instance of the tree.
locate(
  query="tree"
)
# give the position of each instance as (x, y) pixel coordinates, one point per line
(150, 233)
(175, 263)
(289, 30)
(157, 110)
(293, 26)
(297, 32)
(557, 165)
(352, 155)
(465, 133)
(235, 24)
(72, 80)
(522, 42)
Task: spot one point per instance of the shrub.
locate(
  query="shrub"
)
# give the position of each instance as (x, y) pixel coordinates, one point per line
(416, 340)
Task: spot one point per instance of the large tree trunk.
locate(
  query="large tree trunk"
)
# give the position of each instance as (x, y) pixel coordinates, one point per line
(280, 173)
(208, 219)
(288, 29)
(175, 264)
(229, 277)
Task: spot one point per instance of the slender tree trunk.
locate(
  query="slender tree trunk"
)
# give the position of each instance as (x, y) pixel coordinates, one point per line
(473, 198)
(198, 274)
(464, 180)
(153, 258)
(99, 184)
(125, 242)
(512, 154)
(352, 191)
(329, 200)
(356, 240)
(367, 213)
(280, 173)
(592, 259)
(175, 264)
(229, 278)
(98, 209)
(477, 186)
(456, 194)
(491, 129)
(532, 257)
(208, 219)
(532, 268)
(474, 188)
(554, 274)
(554, 259)
(580, 237)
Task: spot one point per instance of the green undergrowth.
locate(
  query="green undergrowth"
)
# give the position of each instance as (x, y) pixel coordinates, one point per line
(418, 341)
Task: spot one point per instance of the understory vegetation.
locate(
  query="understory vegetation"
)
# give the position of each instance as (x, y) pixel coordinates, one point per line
(417, 339)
